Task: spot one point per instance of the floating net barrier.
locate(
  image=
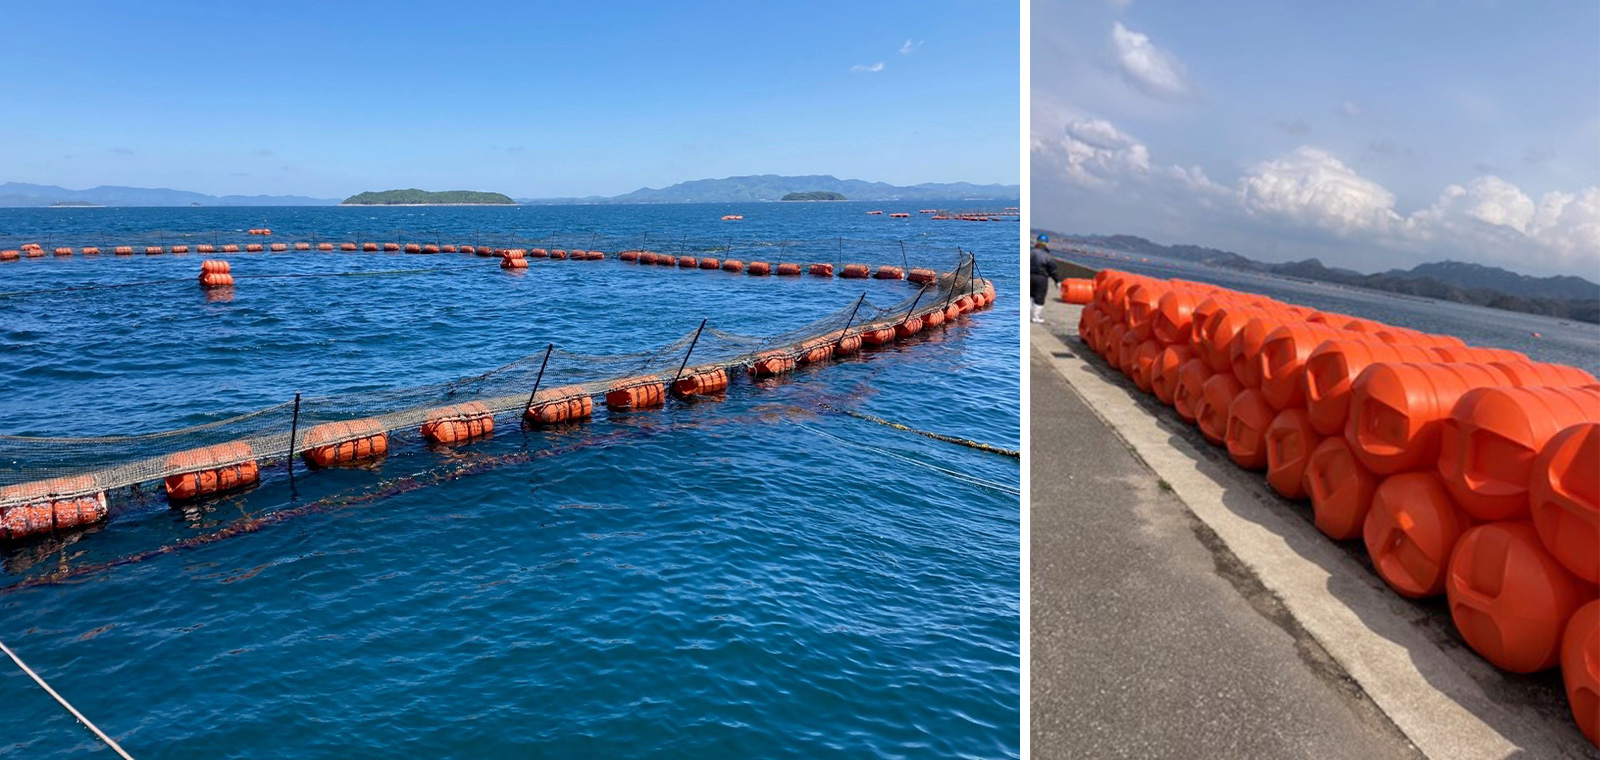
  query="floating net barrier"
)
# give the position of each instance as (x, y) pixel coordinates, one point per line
(56, 484)
(838, 250)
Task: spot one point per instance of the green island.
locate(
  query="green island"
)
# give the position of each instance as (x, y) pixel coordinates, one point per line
(815, 195)
(415, 197)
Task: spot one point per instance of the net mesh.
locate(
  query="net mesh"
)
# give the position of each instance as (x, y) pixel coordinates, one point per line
(32, 468)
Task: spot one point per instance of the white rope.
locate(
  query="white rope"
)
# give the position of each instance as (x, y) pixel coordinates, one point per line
(52, 692)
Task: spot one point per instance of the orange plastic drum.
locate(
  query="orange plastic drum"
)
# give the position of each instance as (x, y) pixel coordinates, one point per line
(1073, 290)
(1564, 499)
(1580, 669)
(1340, 489)
(772, 363)
(1410, 532)
(1282, 365)
(1290, 441)
(788, 269)
(822, 270)
(877, 337)
(1174, 318)
(1143, 364)
(1398, 410)
(1332, 368)
(908, 327)
(1509, 598)
(759, 268)
(889, 273)
(1142, 301)
(1164, 373)
(732, 265)
(1216, 396)
(855, 271)
(1490, 440)
(706, 262)
(39, 507)
(1249, 416)
(1189, 392)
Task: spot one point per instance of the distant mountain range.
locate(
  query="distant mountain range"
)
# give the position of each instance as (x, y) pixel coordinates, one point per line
(1566, 297)
(772, 187)
(23, 194)
(762, 187)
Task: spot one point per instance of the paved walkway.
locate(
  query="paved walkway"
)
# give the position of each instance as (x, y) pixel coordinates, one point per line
(1147, 639)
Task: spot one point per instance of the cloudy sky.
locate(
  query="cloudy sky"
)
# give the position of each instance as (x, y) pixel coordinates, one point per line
(1372, 135)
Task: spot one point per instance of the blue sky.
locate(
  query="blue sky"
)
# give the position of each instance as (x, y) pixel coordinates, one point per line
(528, 98)
(1370, 134)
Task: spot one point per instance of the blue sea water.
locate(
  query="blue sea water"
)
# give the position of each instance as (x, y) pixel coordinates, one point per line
(754, 577)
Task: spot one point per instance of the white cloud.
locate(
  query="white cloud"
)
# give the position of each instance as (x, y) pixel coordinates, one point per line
(1145, 66)
(1093, 152)
(872, 68)
(1351, 109)
(1503, 223)
(910, 47)
(1311, 187)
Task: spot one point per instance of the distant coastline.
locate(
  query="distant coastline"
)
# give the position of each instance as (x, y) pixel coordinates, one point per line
(414, 197)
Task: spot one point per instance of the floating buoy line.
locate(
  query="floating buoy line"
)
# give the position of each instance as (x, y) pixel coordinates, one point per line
(55, 485)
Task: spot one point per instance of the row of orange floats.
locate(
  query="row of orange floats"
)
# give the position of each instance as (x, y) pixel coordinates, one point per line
(34, 250)
(42, 507)
(1469, 472)
(789, 269)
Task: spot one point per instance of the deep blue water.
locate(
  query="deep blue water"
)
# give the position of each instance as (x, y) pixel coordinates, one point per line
(1541, 338)
(750, 577)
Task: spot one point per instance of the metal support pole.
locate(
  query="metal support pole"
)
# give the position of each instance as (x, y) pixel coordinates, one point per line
(903, 260)
(539, 379)
(852, 317)
(294, 428)
(686, 355)
(914, 303)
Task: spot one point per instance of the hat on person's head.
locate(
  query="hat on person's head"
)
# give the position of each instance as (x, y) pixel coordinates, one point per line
(1044, 238)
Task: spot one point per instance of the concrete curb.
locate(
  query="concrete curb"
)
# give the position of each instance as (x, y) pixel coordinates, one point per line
(1438, 697)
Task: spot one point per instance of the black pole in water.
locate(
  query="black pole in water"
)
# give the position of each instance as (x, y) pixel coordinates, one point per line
(540, 378)
(914, 302)
(852, 317)
(903, 260)
(840, 259)
(686, 354)
(294, 428)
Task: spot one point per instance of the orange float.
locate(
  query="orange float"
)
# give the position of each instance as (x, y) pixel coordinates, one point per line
(908, 327)
(1244, 350)
(1218, 332)
(1564, 499)
(1249, 416)
(759, 268)
(641, 392)
(1398, 410)
(347, 442)
(772, 363)
(1282, 364)
(846, 343)
(10, 255)
(1492, 436)
(1580, 669)
(43, 506)
(822, 270)
(1076, 291)
(1478, 355)
(688, 262)
(560, 255)
(1411, 530)
(923, 276)
(877, 336)
(816, 350)
(701, 382)
(1290, 440)
(568, 403)
(1216, 396)
(710, 263)
(347, 246)
(788, 269)
(210, 471)
(855, 271)
(1143, 365)
(63, 251)
(513, 263)
(458, 423)
(1340, 489)
(1164, 372)
(1332, 368)
(1509, 598)
(127, 250)
(732, 265)
(1189, 393)
(933, 318)
(889, 273)
(1174, 318)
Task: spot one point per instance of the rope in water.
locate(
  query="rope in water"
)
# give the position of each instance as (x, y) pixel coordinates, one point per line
(952, 474)
(52, 692)
(935, 436)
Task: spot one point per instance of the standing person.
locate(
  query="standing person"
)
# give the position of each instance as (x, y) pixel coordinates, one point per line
(1041, 270)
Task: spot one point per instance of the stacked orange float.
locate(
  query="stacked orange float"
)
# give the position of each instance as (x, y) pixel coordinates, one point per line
(1469, 472)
